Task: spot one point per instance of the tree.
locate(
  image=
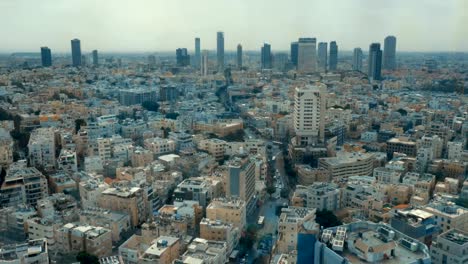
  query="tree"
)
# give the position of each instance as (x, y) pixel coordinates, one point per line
(79, 123)
(327, 219)
(85, 258)
(172, 115)
(271, 190)
(402, 112)
(150, 106)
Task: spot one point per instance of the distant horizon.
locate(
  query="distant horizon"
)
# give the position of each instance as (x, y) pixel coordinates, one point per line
(162, 25)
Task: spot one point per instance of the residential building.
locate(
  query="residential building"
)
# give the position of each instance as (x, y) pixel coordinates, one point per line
(292, 222)
(228, 211)
(416, 224)
(41, 148)
(357, 59)
(240, 182)
(348, 164)
(448, 215)
(204, 251)
(165, 251)
(73, 238)
(320, 195)
(31, 252)
(217, 230)
(116, 222)
(160, 145)
(450, 247)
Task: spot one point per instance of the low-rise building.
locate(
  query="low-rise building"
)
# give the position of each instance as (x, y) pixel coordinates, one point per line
(450, 247)
(448, 215)
(320, 195)
(31, 252)
(73, 238)
(205, 251)
(229, 211)
(348, 164)
(116, 222)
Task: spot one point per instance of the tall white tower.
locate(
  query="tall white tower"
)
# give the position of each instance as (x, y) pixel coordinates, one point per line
(309, 114)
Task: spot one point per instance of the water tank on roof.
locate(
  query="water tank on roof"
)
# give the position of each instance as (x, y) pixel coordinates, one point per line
(162, 243)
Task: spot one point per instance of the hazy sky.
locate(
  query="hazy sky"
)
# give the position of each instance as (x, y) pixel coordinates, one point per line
(155, 25)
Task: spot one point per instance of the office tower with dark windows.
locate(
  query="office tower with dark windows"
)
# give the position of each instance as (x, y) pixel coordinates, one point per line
(389, 53)
(239, 56)
(333, 64)
(307, 55)
(182, 57)
(95, 58)
(266, 56)
(322, 56)
(196, 61)
(220, 50)
(46, 57)
(294, 52)
(76, 52)
(357, 59)
(374, 62)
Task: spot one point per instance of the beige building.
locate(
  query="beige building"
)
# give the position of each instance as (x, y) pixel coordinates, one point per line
(160, 146)
(307, 175)
(228, 211)
(41, 148)
(116, 222)
(90, 191)
(72, 238)
(6, 148)
(448, 215)
(141, 157)
(292, 221)
(214, 146)
(401, 145)
(164, 250)
(217, 230)
(205, 251)
(132, 201)
(219, 127)
(347, 164)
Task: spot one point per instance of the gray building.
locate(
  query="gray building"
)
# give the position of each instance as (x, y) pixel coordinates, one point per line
(76, 52)
(357, 59)
(220, 50)
(239, 56)
(307, 55)
(333, 64)
(197, 59)
(374, 62)
(322, 54)
(389, 53)
(266, 62)
(46, 57)
(95, 58)
(450, 247)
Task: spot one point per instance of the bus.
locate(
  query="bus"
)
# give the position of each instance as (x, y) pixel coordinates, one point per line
(261, 220)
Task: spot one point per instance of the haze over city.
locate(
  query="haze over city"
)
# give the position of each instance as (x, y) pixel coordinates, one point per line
(148, 25)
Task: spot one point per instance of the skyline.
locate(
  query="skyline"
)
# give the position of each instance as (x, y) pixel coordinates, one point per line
(147, 26)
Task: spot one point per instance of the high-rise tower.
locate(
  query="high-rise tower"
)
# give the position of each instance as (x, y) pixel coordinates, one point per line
(196, 61)
(46, 57)
(220, 50)
(307, 55)
(309, 114)
(333, 64)
(266, 56)
(294, 52)
(76, 52)
(357, 59)
(239, 56)
(95, 58)
(322, 57)
(374, 61)
(389, 53)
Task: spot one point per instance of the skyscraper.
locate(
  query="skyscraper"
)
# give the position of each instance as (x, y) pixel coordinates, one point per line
(322, 56)
(333, 64)
(204, 63)
(389, 54)
(95, 58)
(46, 57)
(76, 52)
(309, 114)
(196, 62)
(357, 59)
(294, 52)
(375, 61)
(239, 56)
(182, 57)
(307, 55)
(220, 50)
(266, 56)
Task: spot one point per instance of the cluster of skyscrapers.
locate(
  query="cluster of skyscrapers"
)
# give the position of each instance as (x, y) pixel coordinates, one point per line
(77, 58)
(305, 55)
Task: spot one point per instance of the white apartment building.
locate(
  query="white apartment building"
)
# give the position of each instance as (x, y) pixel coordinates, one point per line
(160, 145)
(455, 150)
(309, 114)
(386, 175)
(41, 148)
(320, 195)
